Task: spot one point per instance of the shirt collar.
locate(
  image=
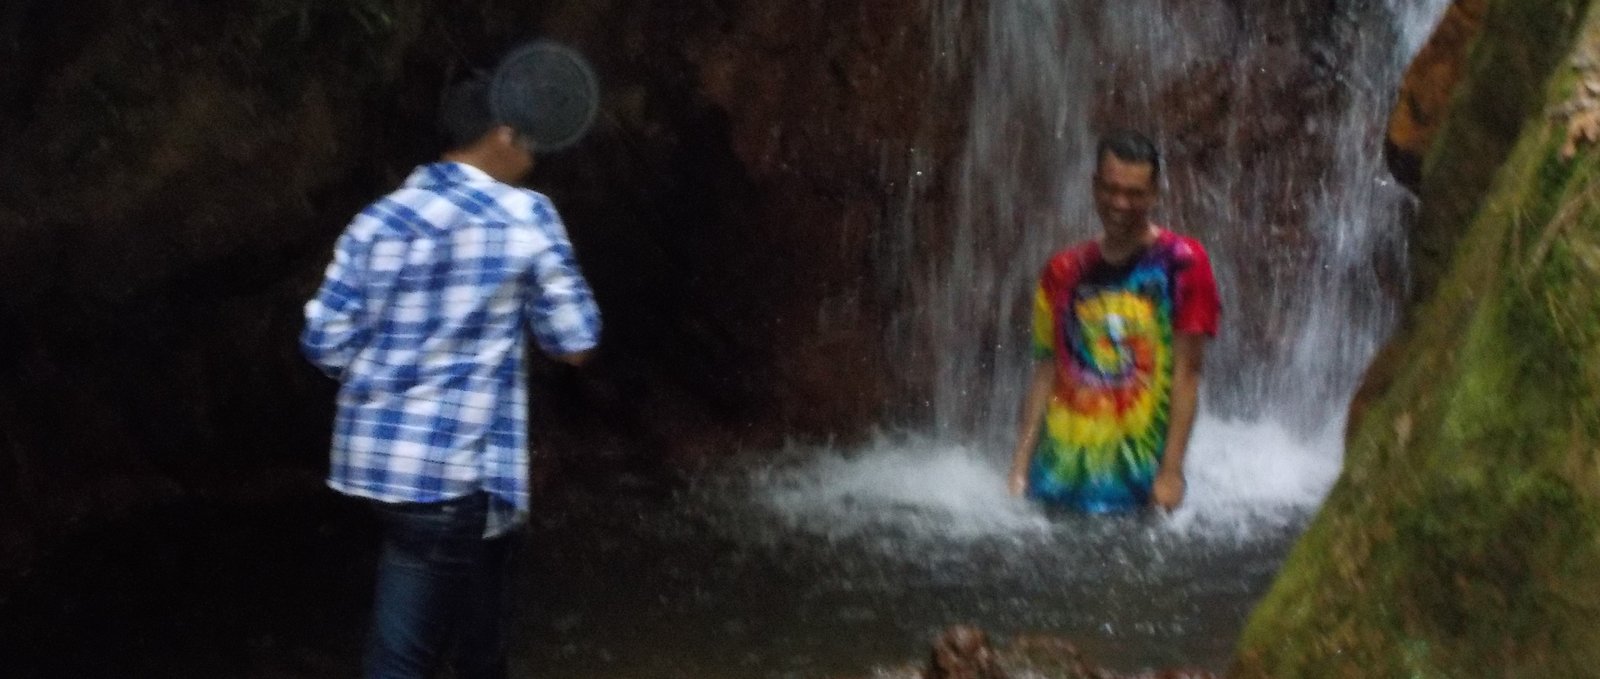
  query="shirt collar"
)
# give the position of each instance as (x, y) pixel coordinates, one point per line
(444, 173)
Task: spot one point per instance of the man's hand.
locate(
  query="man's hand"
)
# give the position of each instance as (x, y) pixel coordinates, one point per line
(1167, 492)
(1018, 484)
(577, 360)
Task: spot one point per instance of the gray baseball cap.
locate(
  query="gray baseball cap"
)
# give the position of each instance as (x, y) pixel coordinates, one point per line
(546, 91)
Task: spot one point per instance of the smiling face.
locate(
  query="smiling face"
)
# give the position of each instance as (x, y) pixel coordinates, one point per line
(1124, 193)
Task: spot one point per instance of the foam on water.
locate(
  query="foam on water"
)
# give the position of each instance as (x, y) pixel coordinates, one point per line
(1247, 476)
(914, 487)
(1244, 478)
(1295, 341)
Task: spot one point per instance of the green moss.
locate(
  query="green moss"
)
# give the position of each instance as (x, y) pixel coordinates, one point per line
(1503, 88)
(1462, 539)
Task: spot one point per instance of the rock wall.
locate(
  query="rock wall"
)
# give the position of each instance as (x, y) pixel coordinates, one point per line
(1462, 537)
(174, 175)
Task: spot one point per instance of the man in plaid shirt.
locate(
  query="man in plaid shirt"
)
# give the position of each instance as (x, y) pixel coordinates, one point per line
(422, 319)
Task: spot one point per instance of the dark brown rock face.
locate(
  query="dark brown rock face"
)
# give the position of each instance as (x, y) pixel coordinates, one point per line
(174, 175)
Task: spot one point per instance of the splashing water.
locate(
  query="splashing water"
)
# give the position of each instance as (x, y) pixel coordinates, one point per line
(885, 542)
(1246, 478)
(1304, 226)
(863, 553)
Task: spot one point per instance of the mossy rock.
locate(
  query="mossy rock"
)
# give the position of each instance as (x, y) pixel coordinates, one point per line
(1463, 538)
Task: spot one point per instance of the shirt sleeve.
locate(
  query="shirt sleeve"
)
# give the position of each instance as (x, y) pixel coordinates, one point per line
(1044, 322)
(562, 312)
(334, 317)
(1199, 307)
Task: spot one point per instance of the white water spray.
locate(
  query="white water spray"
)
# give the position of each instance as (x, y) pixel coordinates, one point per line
(1294, 250)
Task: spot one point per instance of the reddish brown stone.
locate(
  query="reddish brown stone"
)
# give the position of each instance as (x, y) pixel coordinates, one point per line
(1428, 87)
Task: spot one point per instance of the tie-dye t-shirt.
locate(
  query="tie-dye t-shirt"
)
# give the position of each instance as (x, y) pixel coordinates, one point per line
(1109, 330)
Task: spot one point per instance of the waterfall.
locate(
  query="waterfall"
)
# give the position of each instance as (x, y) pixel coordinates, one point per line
(1271, 116)
(1272, 122)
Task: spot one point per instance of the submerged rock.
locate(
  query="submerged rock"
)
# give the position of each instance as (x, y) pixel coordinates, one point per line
(965, 652)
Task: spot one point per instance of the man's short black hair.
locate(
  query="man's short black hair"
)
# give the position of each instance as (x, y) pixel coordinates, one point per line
(1130, 147)
(464, 115)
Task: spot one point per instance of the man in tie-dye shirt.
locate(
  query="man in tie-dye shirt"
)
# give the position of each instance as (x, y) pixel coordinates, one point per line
(1120, 326)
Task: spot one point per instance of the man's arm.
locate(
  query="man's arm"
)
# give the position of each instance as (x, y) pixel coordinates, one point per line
(1033, 409)
(561, 312)
(334, 330)
(563, 315)
(1189, 349)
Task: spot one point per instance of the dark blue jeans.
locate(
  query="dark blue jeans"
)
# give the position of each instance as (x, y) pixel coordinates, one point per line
(440, 586)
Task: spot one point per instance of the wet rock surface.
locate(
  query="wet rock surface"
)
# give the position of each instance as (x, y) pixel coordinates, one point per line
(1423, 102)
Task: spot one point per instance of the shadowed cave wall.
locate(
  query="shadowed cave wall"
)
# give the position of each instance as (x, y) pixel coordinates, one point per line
(174, 175)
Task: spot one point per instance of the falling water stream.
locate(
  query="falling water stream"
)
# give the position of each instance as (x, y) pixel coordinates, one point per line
(830, 559)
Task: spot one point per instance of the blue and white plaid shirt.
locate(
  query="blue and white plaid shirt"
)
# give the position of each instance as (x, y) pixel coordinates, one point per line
(422, 319)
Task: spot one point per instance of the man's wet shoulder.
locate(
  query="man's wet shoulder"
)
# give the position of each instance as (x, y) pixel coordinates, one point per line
(1069, 263)
(1186, 248)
